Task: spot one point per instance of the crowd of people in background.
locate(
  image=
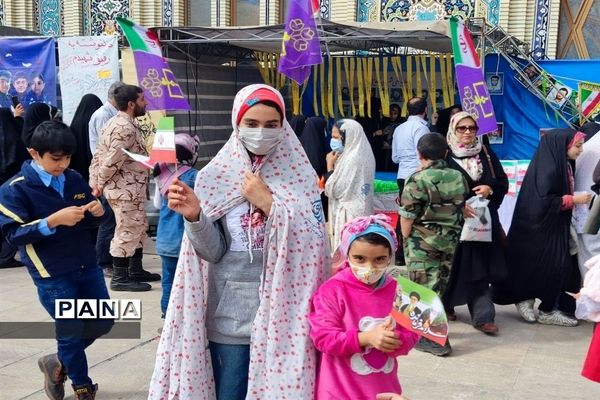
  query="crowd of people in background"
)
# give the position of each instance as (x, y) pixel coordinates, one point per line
(246, 243)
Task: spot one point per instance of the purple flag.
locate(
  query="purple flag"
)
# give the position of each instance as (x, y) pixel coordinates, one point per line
(474, 94)
(475, 98)
(300, 47)
(161, 90)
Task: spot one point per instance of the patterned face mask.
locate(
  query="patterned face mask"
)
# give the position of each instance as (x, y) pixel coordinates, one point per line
(366, 273)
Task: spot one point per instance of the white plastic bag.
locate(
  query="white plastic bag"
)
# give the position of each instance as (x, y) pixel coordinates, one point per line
(478, 228)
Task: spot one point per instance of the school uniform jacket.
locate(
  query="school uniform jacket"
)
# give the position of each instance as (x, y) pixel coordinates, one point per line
(25, 201)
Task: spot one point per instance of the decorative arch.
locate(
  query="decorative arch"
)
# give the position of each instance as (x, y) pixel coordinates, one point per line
(579, 30)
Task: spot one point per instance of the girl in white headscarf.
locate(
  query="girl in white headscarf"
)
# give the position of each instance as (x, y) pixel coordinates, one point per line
(350, 176)
(253, 254)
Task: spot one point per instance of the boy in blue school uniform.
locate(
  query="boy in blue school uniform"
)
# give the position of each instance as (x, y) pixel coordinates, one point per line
(47, 210)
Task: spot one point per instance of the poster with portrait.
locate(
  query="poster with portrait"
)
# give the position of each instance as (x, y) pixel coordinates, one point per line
(420, 310)
(559, 95)
(88, 64)
(497, 137)
(27, 71)
(495, 82)
(532, 74)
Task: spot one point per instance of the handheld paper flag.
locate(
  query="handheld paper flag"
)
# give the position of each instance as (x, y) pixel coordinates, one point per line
(474, 95)
(155, 77)
(300, 47)
(163, 148)
(144, 160)
(420, 310)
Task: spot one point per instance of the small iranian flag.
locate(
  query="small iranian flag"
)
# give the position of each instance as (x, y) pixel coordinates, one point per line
(163, 148)
(155, 77)
(589, 98)
(474, 95)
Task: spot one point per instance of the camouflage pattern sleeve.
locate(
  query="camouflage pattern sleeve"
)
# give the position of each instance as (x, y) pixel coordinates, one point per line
(119, 138)
(414, 198)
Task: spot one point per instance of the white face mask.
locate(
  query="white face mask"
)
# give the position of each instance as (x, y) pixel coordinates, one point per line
(366, 273)
(260, 141)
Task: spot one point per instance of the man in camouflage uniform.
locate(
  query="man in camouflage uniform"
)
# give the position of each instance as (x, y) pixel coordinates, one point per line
(124, 183)
(431, 217)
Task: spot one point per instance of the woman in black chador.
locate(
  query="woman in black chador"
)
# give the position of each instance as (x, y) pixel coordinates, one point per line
(476, 264)
(81, 160)
(540, 243)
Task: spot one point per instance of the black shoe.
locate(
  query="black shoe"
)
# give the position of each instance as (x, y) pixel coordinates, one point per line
(427, 346)
(138, 273)
(12, 263)
(55, 376)
(120, 281)
(85, 392)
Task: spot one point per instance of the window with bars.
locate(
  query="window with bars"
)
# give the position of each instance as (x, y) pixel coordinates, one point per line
(245, 12)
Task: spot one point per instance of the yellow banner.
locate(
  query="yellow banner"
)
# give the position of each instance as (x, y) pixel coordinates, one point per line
(432, 83)
(262, 67)
(450, 76)
(382, 87)
(418, 71)
(330, 88)
(444, 80)
(369, 84)
(295, 97)
(397, 65)
(409, 80)
(361, 87)
(323, 90)
(338, 81)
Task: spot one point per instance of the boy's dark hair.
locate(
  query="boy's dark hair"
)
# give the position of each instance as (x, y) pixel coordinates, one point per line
(432, 147)
(272, 104)
(416, 106)
(125, 94)
(376, 240)
(415, 294)
(53, 137)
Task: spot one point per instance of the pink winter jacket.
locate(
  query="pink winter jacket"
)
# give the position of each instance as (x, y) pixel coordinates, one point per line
(342, 307)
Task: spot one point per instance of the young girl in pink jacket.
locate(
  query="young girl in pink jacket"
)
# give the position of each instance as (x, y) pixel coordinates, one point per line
(349, 319)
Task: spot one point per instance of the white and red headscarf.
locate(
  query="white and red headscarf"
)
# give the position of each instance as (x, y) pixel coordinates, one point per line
(296, 262)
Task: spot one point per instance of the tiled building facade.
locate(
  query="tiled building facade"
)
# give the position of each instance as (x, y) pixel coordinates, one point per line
(534, 21)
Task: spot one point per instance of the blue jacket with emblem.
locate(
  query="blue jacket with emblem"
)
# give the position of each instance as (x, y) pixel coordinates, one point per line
(25, 200)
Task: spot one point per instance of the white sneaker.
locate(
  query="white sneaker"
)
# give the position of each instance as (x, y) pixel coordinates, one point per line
(525, 309)
(556, 318)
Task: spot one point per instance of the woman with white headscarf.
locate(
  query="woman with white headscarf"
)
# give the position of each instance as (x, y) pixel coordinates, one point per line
(253, 254)
(350, 176)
